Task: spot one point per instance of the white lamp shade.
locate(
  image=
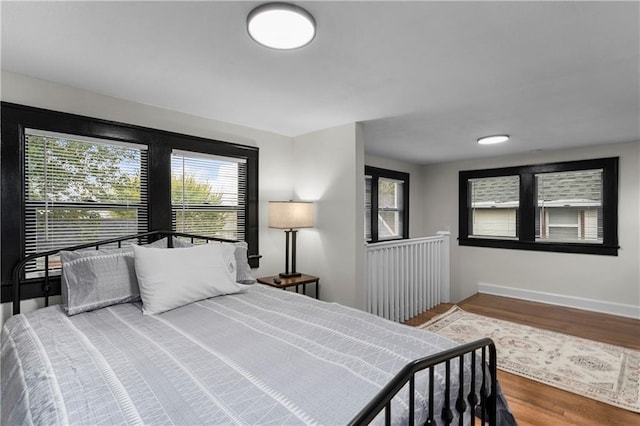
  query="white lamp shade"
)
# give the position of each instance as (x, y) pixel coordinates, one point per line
(290, 214)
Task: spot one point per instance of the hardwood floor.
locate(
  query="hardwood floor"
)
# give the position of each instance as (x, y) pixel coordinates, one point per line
(533, 403)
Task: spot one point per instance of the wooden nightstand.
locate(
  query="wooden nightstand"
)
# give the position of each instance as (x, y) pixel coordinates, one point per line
(302, 280)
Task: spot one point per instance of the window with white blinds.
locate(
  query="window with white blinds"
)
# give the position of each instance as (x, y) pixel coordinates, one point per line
(208, 194)
(386, 204)
(69, 179)
(80, 189)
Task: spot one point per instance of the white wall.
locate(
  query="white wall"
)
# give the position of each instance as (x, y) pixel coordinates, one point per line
(416, 190)
(329, 168)
(604, 283)
(276, 151)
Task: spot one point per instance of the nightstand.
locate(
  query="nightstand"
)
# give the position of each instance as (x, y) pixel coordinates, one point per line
(296, 282)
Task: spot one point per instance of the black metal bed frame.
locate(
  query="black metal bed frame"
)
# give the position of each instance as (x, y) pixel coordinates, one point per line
(382, 401)
(463, 402)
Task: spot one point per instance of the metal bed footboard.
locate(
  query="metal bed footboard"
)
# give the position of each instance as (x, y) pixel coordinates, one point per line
(462, 403)
(18, 276)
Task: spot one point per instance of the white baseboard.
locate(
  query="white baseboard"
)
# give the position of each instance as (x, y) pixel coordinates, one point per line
(619, 309)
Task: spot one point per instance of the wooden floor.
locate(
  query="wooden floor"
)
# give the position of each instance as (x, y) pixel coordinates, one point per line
(533, 403)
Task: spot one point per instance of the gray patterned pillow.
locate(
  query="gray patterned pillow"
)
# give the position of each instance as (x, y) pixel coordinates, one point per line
(93, 279)
(98, 278)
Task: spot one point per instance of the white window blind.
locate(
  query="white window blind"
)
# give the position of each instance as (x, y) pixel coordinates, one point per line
(208, 194)
(495, 202)
(79, 190)
(367, 208)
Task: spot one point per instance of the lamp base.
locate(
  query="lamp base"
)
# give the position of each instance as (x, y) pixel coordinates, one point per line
(289, 274)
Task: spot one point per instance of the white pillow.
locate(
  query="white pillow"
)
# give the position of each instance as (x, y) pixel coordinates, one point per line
(172, 278)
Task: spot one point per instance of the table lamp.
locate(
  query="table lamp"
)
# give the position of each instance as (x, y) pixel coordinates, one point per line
(290, 215)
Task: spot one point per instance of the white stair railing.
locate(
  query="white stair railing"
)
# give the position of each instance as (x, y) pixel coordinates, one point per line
(407, 277)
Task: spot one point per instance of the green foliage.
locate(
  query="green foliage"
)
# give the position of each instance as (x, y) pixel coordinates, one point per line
(190, 192)
(78, 171)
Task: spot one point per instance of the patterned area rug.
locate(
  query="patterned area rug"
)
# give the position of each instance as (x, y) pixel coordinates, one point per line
(603, 372)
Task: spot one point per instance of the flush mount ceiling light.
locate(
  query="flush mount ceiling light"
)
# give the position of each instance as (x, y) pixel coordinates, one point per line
(490, 140)
(281, 26)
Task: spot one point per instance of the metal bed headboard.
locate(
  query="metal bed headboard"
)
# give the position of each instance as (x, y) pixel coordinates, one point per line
(18, 269)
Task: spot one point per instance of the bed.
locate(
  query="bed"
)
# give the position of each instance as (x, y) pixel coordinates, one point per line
(258, 355)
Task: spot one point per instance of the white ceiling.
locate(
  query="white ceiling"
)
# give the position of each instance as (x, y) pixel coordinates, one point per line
(426, 78)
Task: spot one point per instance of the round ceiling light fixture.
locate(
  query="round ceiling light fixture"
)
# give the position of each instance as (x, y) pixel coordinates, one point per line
(494, 139)
(281, 26)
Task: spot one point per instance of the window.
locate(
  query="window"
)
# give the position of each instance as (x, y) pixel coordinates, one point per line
(386, 204)
(79, 189)
(494, 206)
(569, 206)
(69, 179)
(566, 207)
(207, 195)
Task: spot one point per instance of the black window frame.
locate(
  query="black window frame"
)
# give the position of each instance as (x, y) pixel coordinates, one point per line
(526, 239)
(376, 173)
(16, 118)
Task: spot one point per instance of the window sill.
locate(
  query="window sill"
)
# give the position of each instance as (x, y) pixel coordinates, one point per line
(386, 240)
(580, 248)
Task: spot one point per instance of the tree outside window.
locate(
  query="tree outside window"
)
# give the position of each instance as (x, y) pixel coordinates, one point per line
(207, 195)
(81, 190)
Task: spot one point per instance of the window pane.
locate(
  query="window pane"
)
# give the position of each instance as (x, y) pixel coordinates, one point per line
(389, 225)
(79, 190)
(69, 169)
(222, 224)
(389, 194)
(207, 194)
(494, 206)
(569, 206)
(389, 208)
(53, 228)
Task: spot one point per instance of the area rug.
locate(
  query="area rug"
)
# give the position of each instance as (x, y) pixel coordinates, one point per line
(603, 372)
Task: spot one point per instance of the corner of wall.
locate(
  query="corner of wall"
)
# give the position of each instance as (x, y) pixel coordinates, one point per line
(359, 219)
(327, 171)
